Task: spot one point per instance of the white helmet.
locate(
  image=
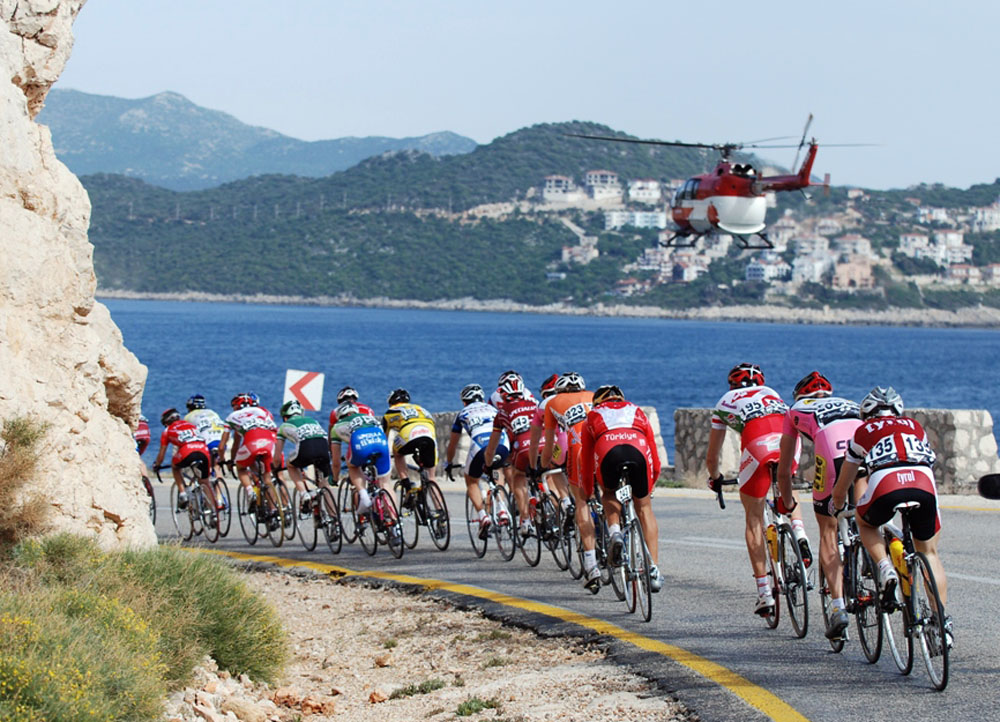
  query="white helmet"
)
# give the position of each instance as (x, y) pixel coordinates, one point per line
(881, 401)
(571, 381)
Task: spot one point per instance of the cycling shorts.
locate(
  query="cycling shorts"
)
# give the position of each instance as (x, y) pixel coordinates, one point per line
(409, 433)
(521, 461)
(476, 459)
(424, 450)
(755, 464)
(366, 443)
(198, 460)
(640, 476)
(257, 442)
(312, 452)
(895, 485)
(574, 460)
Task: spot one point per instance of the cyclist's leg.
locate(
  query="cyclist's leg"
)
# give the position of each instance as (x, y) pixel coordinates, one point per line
(753, 508)
(650, 530)
(929, 550)
(829, 555)
(520, 488)
(298, 478)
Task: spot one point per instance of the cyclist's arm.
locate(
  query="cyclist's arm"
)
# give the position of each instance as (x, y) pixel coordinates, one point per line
(491, 445)
(547, 449)
(651, 440)
(715, 439)
(278, 447)
(848, 472)
(160, 455)
(788, 444)
(586, 452)
(452, 445)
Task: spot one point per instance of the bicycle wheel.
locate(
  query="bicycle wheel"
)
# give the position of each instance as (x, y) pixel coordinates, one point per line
(795, 586)
(619, 577)
(826, 605)
(408, 515)
(531, 543)
(602, 540)
(327, 517)
(472, 523)
(896, 623)
(246, 512)
(182, 517)
(552, 521)
(573, 550)
(503, 524)
(272, 515)
(392, 525)
(773, 573)
(364, 525)
(226, 513)
(345, 504)
(928, 622)
(438, 521)
(639, 566)
(288, 515)
(208, 518)
(305, 521)
(867, 613)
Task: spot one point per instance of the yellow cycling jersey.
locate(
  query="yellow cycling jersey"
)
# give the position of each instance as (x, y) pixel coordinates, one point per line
(404, 418)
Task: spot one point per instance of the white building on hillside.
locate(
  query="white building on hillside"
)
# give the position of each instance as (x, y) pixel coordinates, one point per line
(561, 189)
(986, 219)
(768, 267)
(854, 245)
(603, 185)
(811, 268)
(644, 190)
(811, 245)
(637, 219)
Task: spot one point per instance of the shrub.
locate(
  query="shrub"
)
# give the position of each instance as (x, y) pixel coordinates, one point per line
(24, 511)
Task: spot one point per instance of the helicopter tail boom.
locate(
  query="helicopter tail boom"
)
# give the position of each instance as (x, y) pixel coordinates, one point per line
(794, 181)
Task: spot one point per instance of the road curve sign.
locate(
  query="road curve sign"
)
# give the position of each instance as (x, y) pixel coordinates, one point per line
(306, 387)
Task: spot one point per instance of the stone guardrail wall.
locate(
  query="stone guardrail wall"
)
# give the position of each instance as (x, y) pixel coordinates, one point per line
(962, 439)
(443, 421)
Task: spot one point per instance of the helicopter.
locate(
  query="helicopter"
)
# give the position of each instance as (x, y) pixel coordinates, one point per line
(730, 199)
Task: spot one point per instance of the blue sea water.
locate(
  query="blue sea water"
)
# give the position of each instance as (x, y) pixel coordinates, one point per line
(220, 349)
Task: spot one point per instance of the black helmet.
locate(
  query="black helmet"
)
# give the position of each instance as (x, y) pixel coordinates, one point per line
(169, 416)
(398, 396)
(195, 402)
(348, 393)
(608, 392)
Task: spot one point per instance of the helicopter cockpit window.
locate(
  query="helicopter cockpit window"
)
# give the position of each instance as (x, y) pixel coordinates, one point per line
(688, 191)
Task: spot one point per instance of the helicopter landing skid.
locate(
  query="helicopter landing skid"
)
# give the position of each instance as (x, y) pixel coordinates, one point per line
(689, 240)
(745, 244)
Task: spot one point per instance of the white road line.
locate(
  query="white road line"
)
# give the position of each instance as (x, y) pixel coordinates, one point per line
(969, 578)
(711, 542)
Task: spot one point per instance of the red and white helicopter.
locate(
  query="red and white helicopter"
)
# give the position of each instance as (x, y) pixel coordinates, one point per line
(730, 198)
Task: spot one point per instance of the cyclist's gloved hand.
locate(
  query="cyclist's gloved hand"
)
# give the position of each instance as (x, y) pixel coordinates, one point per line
(785, 510)
(716, 483)
(834, 510)
(447, 470)
(534, 473)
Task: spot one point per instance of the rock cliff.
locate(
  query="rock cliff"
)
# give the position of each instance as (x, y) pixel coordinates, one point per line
(62, 359)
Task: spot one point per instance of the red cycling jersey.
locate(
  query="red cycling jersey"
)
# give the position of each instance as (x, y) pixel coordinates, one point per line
(609, 426)
(142, 436)
(183, 435)
(514, 416)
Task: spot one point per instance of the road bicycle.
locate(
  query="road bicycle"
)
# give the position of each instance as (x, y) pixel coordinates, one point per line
(496, 503)
(380, 523)
(316, 512)
(916, 617)
(289, 517)
(786, 567)
(860, 590)
(423, 506)
(573, 545)
(259, 510)
(195, 516)
(632, 574)
(547, 521)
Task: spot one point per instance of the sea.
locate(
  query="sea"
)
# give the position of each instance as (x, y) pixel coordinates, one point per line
(221, 349)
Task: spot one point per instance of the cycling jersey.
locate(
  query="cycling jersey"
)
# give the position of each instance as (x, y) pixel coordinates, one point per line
(514, 418)
(363, 408)
(618, 431)
(476, 420)
(757, 413)
(298, 430)
(568, 411)
(899, 460)
(560, 444)
(364, 439)
(415, 432)
(184, 436)
(210, 426)
(255, 427)
(830, 422)
(141, 436)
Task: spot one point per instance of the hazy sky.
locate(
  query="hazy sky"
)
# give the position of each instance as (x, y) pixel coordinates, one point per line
(920, 78)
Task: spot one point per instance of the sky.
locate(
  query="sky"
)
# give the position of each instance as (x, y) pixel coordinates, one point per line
(919, 79)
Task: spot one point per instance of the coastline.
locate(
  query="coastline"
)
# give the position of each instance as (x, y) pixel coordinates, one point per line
(968, 317)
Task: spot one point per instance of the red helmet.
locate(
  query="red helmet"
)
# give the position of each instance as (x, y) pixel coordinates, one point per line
(812, 384)
(241, 401)
(745, 375)
(549, 385)
(512, 387)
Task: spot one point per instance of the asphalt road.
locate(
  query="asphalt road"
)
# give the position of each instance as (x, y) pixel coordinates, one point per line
(706, 605)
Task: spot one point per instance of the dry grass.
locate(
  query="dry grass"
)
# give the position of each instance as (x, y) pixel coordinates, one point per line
(24, 510)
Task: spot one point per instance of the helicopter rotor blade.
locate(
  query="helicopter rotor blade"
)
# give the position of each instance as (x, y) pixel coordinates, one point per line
(766, 140)
(640, 141)
(802, 142)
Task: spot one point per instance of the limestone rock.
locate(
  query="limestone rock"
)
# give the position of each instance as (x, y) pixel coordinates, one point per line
(63, 357)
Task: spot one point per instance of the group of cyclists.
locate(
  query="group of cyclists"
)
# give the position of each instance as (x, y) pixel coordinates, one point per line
(869, 458)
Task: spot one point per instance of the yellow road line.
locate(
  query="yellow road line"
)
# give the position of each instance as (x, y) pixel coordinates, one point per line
(757, 697)
(970, 508)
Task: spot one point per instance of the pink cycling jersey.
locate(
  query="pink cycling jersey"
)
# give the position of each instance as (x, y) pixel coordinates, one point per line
(830, 422)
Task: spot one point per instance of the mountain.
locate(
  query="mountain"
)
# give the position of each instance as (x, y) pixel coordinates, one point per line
(169, 141)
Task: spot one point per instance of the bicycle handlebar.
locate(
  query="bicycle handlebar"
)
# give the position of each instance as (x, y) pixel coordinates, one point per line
(718, 490)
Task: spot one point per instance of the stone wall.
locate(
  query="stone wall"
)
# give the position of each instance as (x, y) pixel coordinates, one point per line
(61, 355)
(962, 438)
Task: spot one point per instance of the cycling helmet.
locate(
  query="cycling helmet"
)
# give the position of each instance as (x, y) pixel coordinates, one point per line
(745, 375)
(472, 392)
(513, 387)
(346, 409)
(254, 399)
(195, 402)
(813, 384)
(291, 408)
(506, 375)
(169, 416)
(241, 401)
(881, 401)
(549, 385)
(347, 393)
(398, 396)
(571, 381)
(608, 393)
(142, 418)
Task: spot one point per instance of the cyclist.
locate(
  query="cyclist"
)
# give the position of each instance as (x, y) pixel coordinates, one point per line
(359, 429)
(497, 396)
(829, 422)
(306, 440)
(567, 410)
(895, 451)
(757, 413)
(415, 433)
(191, 451)
(253, 432)
(558, 474)
(142, 438)
(617, 431)
(208, 423)
(476, 418)
(348, 393)
(513, 421)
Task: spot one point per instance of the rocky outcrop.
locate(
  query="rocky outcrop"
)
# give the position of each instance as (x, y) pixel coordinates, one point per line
(62, 359)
